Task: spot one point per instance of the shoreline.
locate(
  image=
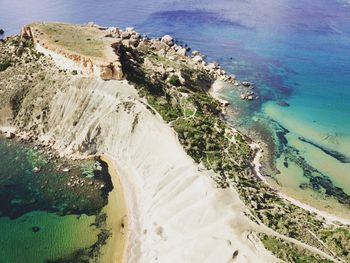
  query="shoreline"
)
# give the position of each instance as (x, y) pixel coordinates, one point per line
(116, 208)
(117, 218)
(327, 216)
(173, 211)
(214, 91)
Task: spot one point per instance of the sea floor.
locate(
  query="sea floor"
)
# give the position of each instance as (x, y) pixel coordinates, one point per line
(303, 159)
(57, 214)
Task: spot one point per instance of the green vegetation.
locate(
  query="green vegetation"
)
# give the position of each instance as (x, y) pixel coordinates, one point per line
(4, 65)
(338, 240)
(192, 112)
(209, 140)
(289, 252)
(78, 39)
(175, 81)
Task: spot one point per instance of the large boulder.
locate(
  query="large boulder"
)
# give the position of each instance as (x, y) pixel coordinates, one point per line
(126, 35)
(197, 59)
(181, 51)
(168, 40)
(133, 42)
(160, 46)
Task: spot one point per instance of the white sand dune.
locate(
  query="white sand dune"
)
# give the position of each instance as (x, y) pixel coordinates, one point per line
(175, 211)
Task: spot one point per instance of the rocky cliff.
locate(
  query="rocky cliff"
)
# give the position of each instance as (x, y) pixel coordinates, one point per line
(181, 209)
(176, 213)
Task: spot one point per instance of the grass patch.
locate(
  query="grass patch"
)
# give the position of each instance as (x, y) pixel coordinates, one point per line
(290, 252)
(78, 39)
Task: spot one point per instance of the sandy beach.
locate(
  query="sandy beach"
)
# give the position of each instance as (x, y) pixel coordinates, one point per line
(116, 210)
(176, 213)
(215, 92)
(329, 217)
(165, 206)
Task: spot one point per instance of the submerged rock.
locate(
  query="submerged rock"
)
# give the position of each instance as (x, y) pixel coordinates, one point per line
(2, 31)
(246, 83)
(283, 104)
(35, 229)
(36, 169)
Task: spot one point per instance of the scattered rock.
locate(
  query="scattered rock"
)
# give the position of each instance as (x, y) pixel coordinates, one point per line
(168, 40)
(224, 103)
(134, 41)
(246, 83)
(181, 51)
(126, 35)
(9, 135)
(212, 66)
(283, 104)
(36, 169)
(195, 53)
(197, 59)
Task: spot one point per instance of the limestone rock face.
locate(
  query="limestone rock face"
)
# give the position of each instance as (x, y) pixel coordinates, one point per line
(26, 33)
(106, 72)
(112, 71)
(117, 70)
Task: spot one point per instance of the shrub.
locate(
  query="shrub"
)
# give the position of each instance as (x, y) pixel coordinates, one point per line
(175, 81)
(4, 65)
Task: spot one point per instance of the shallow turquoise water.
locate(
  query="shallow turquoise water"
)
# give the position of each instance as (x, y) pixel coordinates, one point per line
(46, 216)
(58, 237)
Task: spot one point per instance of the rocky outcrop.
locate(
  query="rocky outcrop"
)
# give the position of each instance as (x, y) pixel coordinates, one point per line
(171, 199)
(159, 179)
(168, 40)
(26, 32)
(112, 71)
(108, 68)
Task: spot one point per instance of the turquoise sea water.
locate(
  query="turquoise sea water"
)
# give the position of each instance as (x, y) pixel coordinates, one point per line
(293, 51)
(48, 216)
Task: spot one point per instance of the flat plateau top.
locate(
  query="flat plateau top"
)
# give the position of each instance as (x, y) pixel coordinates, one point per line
(84, 40)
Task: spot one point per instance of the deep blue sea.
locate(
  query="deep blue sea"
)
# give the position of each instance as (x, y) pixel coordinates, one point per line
(293, 51)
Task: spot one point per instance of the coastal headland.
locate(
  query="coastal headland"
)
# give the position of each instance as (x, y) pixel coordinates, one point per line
(189, 179)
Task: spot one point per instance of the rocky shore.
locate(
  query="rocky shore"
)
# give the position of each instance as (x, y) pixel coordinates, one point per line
(170, 93)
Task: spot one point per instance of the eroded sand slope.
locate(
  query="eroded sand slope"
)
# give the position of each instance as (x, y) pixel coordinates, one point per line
(176, 214)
